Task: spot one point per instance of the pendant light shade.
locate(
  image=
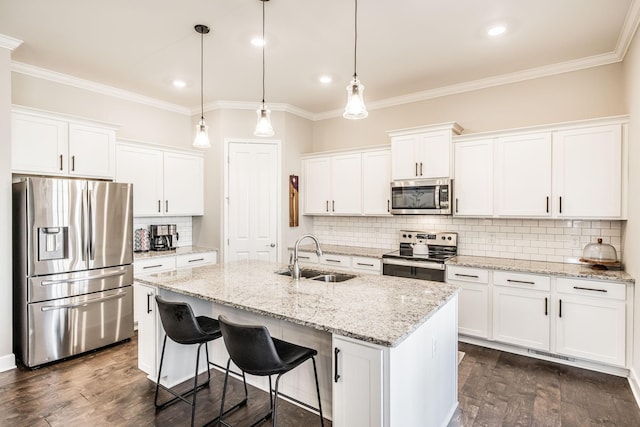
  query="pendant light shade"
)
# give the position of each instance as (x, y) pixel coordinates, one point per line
(355, 108)
(202, 130)
(263, 126)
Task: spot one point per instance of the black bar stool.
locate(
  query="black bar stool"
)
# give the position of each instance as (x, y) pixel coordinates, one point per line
(183, 327)
(255, 352)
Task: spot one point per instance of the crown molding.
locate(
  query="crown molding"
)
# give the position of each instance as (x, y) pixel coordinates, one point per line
(30, 70)
(249, 105)
(10, 43)
(629, 29)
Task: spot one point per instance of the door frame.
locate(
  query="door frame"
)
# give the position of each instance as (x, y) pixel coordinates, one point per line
(225, 215)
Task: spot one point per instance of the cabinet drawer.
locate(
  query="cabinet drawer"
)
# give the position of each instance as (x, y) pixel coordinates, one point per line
(154, 265)
(194, 260)
(368, 264)
(336, 260)
(467, 274)
(521, 280)
(307, 257)
(592, 288)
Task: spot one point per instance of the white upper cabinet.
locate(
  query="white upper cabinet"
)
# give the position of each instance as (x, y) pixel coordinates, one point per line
(51, 144)
(183, 184)
(422, 153)
(376, 178)
(523, 175)
(165, 182)
(588, 172)
(473, 183)
(333, 184)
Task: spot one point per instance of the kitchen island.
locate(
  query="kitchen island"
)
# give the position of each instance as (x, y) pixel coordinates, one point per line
(387, 346)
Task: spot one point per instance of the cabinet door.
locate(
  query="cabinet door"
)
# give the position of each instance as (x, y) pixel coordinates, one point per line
(143, 168)
(317, 185)
(183, 184)
(591, 328)
(587, 164)
(346, 184)
(376, 179)
(91, 151)
(38, 145)
(473, 185)
(357, 384)
(473, 310)
(521, 317)
(523, 175)
(403, 158)
(144, 309)
(433, 154)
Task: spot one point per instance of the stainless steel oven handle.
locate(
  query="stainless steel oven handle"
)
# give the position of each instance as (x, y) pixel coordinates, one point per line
(419, 264)
(81, 279)
(83, 303)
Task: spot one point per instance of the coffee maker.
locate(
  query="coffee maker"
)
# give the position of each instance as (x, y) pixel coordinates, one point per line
(164, 237)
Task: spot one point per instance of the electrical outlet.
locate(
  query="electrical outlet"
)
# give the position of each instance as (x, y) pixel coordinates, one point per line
(492, 238)
(575, 242)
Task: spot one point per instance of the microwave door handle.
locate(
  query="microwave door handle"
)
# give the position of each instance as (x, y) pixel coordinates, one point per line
(437, 196)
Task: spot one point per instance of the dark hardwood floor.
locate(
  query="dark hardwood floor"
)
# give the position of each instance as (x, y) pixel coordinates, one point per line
(105, 388)
(504, 389)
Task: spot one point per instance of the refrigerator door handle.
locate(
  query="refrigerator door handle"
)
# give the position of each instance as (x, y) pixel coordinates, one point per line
(83, 231)
(81, 279)
(90, 220)
(83, 303)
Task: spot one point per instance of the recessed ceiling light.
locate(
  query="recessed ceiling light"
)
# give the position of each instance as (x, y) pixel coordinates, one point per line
(179, 83)
(325, 79)
(257, 41)
(496, 30)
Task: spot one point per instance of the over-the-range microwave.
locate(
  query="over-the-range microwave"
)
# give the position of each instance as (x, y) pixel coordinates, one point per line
(421, 197)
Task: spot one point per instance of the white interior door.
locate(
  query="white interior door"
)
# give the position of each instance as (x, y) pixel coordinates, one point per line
(252, 201)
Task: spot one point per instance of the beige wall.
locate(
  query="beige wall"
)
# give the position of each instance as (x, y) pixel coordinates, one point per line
(7, 360)
(631, 244)
(136, 121)
(591, 93)
(294, 134)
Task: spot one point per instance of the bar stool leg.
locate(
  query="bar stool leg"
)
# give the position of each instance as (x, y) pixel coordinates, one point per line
(315, 373)
(155, 400)
(275, 400)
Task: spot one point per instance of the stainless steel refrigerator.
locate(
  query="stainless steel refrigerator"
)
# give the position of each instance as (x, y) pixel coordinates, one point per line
(72, 267)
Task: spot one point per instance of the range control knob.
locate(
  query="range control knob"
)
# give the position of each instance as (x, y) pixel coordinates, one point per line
(443, 238)
(449, 238)
(404, 235)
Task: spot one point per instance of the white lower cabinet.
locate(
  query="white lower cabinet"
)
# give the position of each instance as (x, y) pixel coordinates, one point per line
(579, 319)
(473, 300)
(356, 264)
(591, 320)
(145, 307)
(521, 309)
(357, 383)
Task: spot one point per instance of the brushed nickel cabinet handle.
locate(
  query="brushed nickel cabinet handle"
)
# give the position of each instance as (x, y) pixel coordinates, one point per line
(547, 204)
(60, 161)
(560, 204)
(590, 289)
(420, 168)
(333, 206)
(166, 206)
(73, 163)
(159, 206)
(416, 168)
(473, 276)
(525, 282)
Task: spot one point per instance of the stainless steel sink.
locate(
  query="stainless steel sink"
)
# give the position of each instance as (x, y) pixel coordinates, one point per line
(321, 276)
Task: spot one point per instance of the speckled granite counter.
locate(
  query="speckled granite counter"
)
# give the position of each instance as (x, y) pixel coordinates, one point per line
(185, 250)
(380, 309)
(345, 250)
(540, 267)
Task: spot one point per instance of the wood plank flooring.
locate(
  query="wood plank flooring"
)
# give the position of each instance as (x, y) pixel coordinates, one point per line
(105, 388)
(504, 389)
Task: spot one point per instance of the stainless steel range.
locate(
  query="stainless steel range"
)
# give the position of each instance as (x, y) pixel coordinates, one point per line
(422, 255)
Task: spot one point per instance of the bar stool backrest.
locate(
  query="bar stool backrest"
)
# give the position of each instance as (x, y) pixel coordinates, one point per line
(251, 348)
(179, 322)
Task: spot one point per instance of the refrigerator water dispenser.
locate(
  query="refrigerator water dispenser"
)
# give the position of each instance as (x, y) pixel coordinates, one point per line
(52, 243)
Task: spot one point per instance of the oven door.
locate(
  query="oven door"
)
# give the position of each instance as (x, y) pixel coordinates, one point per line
(414, 270)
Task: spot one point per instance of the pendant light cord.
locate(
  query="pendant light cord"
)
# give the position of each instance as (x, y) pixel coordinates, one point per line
(263, 43)
(355, 43)
(201, 75)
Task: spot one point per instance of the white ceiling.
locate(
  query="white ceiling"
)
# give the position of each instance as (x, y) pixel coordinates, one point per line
(406, 48)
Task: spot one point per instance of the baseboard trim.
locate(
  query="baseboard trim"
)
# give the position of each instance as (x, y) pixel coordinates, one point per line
(635, 385)
(7, 362)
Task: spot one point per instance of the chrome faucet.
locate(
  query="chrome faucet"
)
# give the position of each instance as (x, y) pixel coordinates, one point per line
(294, 267)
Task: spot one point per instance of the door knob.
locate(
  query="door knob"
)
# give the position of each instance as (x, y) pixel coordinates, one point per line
(273, 245)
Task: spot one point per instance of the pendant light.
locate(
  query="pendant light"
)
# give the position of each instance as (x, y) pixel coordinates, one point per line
(263, 126)
(355, 108)
(202, 130)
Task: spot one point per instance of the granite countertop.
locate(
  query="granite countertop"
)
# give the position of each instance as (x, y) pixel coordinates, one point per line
(345, 250)
(379, 309)
(541, 267)
(184, 250)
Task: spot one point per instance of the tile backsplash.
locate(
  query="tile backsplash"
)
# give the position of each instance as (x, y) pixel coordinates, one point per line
(183, 225)
(528, 239)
